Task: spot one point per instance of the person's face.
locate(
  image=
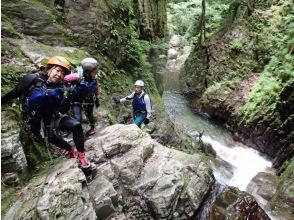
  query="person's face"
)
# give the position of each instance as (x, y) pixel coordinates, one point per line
(93, 74)
(56, 74)
(138, 89)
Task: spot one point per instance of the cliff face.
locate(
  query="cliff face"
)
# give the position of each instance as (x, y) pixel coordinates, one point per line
(242, 74)
(151, 16)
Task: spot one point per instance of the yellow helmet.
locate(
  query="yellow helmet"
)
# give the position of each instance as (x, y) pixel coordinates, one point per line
(60, 61)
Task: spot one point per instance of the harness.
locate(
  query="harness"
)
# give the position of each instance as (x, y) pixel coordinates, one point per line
(42, 101)
(139, 104)
(84, 90)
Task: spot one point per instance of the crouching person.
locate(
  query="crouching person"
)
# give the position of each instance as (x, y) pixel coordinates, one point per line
(42, 97)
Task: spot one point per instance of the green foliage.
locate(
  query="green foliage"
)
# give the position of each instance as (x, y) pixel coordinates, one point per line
(10, 76)
(284, 192)
(279, 72)
(183, 17)
(237, 45)
(8, 197)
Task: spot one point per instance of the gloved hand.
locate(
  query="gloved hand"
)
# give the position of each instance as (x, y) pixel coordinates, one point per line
(116, 100)
(146, 121)
(97, 102)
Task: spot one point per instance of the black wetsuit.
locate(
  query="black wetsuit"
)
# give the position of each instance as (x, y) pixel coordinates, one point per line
(24, 88)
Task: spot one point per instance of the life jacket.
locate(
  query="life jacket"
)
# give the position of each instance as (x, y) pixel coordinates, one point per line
(43, 100)
(84, 89)
(139, 103)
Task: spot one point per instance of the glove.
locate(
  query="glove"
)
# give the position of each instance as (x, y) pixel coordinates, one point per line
(97, 102)
(116, 100)
(146, 121)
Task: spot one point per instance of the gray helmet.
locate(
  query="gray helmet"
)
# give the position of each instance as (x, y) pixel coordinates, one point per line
(89, 64)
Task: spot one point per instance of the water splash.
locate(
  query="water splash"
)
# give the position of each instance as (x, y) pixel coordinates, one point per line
(246, 163)
(237, 164)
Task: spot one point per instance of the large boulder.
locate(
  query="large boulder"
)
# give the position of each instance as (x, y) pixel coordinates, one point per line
(263, 186)
(62, 195)
(230, 203)
(137, 178)
(149, 176)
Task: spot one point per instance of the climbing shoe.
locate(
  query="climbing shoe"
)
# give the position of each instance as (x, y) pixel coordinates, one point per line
(72, 153)
(91, 131)
(83, 160)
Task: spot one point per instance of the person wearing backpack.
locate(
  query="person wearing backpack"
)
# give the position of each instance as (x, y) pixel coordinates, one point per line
(85, 92)
(141, 103)
(43, 100)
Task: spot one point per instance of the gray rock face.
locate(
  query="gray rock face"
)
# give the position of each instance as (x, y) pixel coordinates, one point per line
(148, 176)
(263, 186)
(137, 178)
(230, 203)
(35, 19)
(13, 159)
(65, 196)
(104, 195)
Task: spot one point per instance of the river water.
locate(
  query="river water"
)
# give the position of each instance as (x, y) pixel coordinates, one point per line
(236, 164)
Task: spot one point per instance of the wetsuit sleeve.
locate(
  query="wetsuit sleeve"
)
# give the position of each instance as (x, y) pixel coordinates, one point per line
(148, 106)
(129, 97)
(21, 88)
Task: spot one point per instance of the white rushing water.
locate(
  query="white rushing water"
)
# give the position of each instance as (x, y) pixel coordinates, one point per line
(237, 163)
(246, 162)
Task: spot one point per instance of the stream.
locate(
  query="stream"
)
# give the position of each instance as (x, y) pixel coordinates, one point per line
(236, 164)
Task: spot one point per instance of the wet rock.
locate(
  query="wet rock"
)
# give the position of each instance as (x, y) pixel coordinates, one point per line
(65, 195)
(282, 203)
(176, 41)
(263, 186)
(35, 19)
(152, 176)
(172, 66)
(228, 202)
(172, 54)
(104, 195)
(12, 155)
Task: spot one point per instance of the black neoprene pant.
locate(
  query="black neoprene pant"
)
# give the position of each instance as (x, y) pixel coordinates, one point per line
(66, 124)
(77, 110)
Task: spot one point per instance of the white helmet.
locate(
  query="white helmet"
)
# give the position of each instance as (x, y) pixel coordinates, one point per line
(89, 64)
(139, 83)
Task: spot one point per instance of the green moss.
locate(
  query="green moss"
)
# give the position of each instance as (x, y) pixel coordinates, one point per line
(10, 50)
(285, 193)
(10, 76)
(75, 57)
(279, 72)
(8, 197)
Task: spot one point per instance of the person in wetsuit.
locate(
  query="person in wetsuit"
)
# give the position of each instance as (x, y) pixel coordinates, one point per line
(141, 103)
(43, 100)
(85, 92)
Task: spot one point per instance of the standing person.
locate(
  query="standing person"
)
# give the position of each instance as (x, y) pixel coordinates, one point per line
(141, 103)
(86, 91)
(42, 95)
